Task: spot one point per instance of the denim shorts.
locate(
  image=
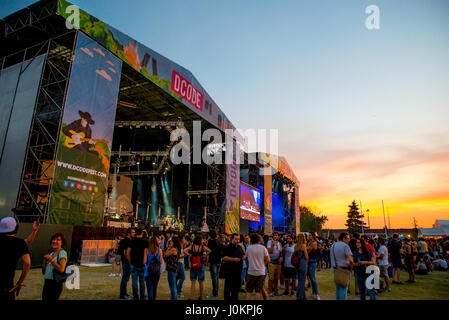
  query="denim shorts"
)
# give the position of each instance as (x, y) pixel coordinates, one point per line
(197, 274)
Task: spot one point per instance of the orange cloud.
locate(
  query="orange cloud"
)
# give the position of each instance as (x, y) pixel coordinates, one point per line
(104, 74)
(97, 50)
(412, 183)
(87, 51)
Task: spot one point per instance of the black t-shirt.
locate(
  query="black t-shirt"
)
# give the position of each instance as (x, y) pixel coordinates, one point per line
(138, 246)
(122, 246)
(233, 251)
(394, 248)
(215, 246)
(12, 250)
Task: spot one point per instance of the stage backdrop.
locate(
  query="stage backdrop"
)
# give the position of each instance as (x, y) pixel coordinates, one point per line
(268, 203)
(232, 216)
(82, 162)
(177, 81)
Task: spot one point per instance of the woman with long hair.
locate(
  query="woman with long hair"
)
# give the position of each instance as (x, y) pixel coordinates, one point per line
(362, 258)
(303, 257)
(55, 262)
(172, 258)
(152, 272)
(312, 251)
(181, 271)
(197, 251)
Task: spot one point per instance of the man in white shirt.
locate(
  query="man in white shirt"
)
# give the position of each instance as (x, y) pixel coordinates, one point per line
(257, 258)
(274, 267)
(382, 261)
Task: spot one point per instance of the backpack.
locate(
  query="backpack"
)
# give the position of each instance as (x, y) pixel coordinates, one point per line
(155, 265)
(295, 259)
(196, 260)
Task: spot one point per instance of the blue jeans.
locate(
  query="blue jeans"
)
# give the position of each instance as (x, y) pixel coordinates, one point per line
(125, 278)
(362, 289)
(214, 272)
(180, 278)
(152, 281)
(327, 261)
(171, 277)
(302, 275)
(245, 267)
(311, 275)
(341, 292)
(137, 273)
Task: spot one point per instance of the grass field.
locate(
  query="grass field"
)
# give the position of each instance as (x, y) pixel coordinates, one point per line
(96, 285)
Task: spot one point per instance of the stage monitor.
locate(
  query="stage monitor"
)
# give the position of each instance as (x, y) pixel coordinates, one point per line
(250, 203)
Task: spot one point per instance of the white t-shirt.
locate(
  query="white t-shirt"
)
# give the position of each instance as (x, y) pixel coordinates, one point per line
(383, 250)
(276, 254)
(256, 254)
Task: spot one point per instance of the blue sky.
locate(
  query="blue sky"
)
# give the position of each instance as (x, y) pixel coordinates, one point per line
(342, 96)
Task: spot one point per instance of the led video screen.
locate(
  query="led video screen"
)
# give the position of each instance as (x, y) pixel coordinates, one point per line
(250, 203)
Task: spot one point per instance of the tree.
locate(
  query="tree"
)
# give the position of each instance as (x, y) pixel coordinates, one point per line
(310, 220)
(354, 221)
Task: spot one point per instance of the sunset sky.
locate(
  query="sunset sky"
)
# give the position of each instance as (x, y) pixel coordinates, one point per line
(362, 114)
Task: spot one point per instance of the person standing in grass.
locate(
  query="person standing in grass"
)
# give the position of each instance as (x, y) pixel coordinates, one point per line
(274, 248)
(232, 265)
(13, 249)
(172, 259)
(181, 271)
(55, 261)
(362, 258)
(290, 273)
(135, 254)
(214, 261)
(126, 268)
(395, 249)
(409, 261)
(152, 268)
(257, 258)
(341, 257)
(301, 268)
(197, 252)
(312, 251)
(383, 263)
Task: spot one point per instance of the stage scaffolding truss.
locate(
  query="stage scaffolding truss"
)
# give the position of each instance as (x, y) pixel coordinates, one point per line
(37, 174)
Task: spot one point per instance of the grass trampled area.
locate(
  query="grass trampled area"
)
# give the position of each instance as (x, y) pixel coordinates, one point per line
(96, 285)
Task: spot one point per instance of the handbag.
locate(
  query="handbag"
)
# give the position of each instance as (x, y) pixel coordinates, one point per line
(60, 277)
(341, 276)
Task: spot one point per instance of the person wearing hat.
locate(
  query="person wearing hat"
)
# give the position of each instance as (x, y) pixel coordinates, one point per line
(13, 248)
(80, 126)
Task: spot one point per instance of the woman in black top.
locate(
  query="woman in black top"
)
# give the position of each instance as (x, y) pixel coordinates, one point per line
(363, 258)
(312, 251)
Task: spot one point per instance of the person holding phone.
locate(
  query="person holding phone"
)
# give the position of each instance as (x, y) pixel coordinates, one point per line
(55, 261)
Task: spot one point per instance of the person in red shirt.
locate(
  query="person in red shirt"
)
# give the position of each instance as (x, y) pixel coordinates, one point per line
(368, 245)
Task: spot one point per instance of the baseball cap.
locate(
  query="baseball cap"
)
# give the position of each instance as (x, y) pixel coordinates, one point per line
(7, 225)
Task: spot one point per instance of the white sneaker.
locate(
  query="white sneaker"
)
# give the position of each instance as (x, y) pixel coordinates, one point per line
(111, 275)
(317, 297)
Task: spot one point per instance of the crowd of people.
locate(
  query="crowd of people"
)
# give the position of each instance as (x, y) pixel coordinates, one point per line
(289, 261)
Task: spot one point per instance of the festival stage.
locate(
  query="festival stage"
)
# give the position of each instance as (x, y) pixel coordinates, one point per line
(89, 119)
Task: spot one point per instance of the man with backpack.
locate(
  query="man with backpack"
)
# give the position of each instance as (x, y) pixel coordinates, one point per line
(233, 264)
(214, 261)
